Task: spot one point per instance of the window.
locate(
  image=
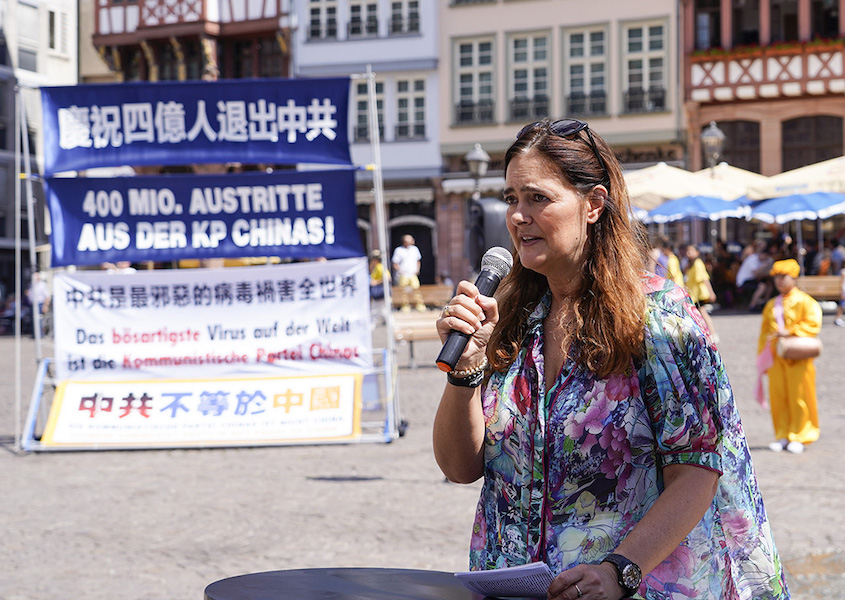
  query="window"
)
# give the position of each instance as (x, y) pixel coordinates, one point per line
(528, 57)
(270, 59)
(28, 37)
(27, 59)
(363, 19)
(57, 27)
(322, 23)
(133, 65)
(168, 66)
(708, 24)
(410, 109)
(193, 59)
(474, 81)
(746, 22)
(784, 20)
(28, 26)
(742, 144)
(808, 140)
(241, 59)
(405, 17)
(824, 18)
(362, 107)
(585, 58)
(645, 68)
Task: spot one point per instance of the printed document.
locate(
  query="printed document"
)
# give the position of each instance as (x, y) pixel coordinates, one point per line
(525, 581)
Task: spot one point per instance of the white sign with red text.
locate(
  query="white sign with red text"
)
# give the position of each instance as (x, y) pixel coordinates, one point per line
(269, 320)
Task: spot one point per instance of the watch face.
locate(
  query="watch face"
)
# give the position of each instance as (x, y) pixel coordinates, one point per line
(631, 576)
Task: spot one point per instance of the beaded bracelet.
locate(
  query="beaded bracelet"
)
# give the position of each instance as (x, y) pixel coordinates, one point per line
(468, 377)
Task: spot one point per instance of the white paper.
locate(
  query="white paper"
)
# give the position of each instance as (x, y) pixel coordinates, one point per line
(525, 581)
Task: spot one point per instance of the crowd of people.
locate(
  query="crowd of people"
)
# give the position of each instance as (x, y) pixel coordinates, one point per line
(741, 280)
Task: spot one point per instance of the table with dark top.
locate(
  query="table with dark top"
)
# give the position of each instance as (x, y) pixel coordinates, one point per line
(341, 584)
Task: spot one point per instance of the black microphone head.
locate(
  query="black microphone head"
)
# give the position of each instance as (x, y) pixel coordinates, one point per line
(497, 259)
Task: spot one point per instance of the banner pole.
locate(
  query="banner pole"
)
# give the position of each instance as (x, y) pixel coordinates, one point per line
(30, 203)
(384, 243)
(18, 267)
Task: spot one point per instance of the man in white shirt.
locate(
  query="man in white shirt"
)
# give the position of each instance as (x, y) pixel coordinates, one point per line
(752, 286)
(748, 267)
(39, 298)
(406, 264)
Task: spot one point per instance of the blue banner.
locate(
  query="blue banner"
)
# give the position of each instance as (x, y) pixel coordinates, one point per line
(289, 214)
(273, 121)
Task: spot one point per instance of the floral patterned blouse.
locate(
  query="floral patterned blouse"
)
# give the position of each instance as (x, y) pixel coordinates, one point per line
(570, 471)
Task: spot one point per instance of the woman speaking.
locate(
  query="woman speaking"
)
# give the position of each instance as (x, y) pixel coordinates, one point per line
(593, 403)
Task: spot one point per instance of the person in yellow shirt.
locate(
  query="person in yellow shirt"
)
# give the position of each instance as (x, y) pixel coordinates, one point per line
(697, 280)
(377, 272)
(792, 383)
(663, 262)
(673, 263)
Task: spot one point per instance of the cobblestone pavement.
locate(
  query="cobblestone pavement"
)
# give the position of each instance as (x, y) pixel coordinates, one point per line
(164, 524)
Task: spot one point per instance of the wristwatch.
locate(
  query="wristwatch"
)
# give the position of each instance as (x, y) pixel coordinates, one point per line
(628, 574)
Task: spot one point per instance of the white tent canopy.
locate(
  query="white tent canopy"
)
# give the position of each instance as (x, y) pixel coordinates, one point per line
(825, 176)
(733, 175)
(653, 185)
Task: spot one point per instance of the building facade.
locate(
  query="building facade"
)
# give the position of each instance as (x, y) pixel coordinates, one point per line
(162, 40)
(771, 74)
(506, 64)
(398, 40)
(38, 43)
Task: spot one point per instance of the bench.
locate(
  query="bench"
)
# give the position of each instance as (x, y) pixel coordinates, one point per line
(415, 325)
(821, 287)
(437, 295)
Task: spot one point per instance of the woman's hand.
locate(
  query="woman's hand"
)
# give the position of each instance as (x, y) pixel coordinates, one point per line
(587, 582)
(458, 433)
(471, 313)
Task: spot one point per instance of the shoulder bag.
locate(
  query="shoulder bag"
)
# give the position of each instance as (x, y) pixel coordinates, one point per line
(794, 347)
(797, 348)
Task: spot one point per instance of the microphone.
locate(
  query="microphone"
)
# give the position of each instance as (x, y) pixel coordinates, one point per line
(495, 265)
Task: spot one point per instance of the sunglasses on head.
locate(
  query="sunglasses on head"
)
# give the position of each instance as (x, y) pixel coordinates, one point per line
(567, 128)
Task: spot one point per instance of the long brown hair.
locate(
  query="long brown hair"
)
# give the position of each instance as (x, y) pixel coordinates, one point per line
(610, 307)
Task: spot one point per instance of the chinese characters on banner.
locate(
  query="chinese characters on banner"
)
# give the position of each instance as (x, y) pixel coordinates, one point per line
(290, 214)
(208, 412)
(273, 121)
(264, 353)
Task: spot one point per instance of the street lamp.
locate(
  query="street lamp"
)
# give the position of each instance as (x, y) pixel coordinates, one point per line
(713, 142)
(477, 161)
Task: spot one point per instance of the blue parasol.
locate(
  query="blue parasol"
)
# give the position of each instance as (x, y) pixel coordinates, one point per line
(697, 207)
(797, 207)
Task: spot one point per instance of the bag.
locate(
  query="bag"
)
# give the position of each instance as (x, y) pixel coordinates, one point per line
(797, 348)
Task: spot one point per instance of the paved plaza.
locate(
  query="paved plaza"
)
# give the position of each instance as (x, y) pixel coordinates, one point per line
(163, 524)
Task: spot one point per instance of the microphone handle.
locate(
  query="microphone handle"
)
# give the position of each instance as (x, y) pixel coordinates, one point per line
(456, 343)
(487, 283)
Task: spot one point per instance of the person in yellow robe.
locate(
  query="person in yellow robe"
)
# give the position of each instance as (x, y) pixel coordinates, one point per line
(792, 383)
